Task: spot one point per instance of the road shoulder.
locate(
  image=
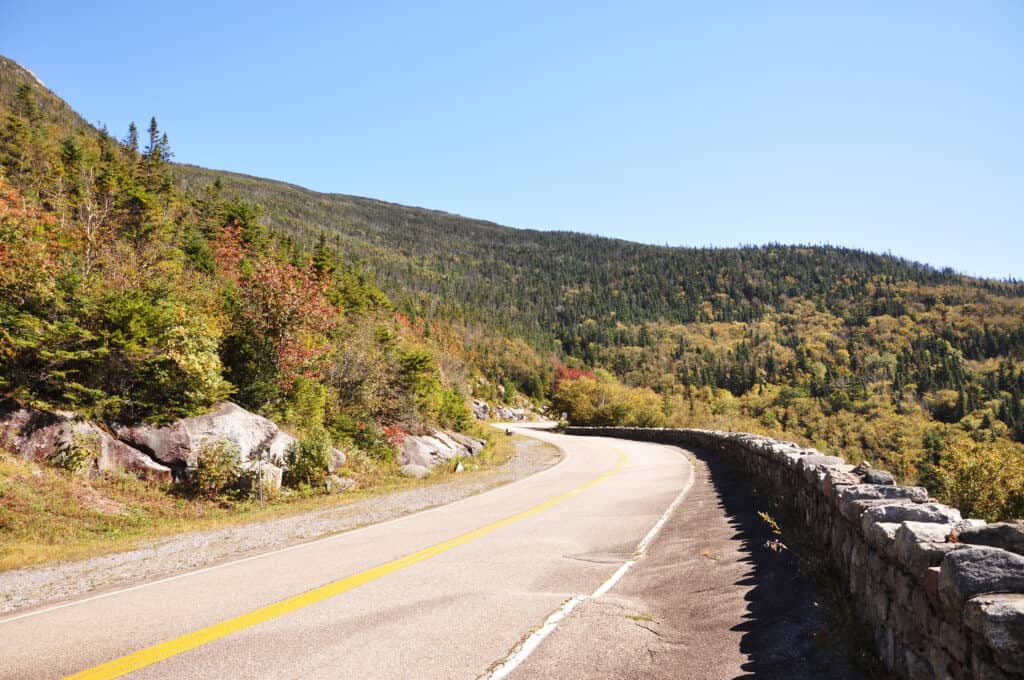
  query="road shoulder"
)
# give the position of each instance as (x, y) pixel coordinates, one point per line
(709, 599)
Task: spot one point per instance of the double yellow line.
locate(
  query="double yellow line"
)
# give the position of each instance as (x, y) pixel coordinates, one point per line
(165, 650)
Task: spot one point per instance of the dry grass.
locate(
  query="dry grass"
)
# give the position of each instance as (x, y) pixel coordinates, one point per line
(49, 515)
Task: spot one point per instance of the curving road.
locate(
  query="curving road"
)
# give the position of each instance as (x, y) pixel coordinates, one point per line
(446, 593)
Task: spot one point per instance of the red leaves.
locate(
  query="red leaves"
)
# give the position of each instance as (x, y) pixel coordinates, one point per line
(289, 312)
(572, 374)
(228, 250)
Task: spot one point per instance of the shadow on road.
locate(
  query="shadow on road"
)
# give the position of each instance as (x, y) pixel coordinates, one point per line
(787, 633)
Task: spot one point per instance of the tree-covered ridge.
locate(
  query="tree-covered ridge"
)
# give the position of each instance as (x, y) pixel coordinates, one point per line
(573, 287)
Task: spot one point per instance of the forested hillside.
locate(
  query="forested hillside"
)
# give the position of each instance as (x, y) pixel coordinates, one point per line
(125, 299)
(869, 354)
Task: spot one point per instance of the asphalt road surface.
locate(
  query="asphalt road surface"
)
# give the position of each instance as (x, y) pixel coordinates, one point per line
(445, 593)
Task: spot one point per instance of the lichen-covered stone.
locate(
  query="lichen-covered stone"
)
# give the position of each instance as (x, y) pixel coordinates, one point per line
(999, 619)
(909, 535)
(935, 513)
(879, 477)
(1005, 535)
(976, 570)
(877, 492)
(882, 535)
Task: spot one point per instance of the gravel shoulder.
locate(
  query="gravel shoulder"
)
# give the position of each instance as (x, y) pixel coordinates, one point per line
(23, 589)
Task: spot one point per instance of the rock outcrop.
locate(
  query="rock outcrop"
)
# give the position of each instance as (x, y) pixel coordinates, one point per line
(178, 444)
(38, 435)
(420, 453)
(163, 453)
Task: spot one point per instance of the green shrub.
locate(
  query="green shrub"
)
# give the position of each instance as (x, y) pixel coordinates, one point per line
(308, 459)
(983, 480)
(364, 435)
(453, 412)
(218, 469)
(77, 455)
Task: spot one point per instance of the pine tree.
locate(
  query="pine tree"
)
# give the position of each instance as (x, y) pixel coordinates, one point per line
(131, 142)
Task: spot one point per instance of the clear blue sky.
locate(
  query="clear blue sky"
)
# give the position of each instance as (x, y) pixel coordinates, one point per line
(889, 126)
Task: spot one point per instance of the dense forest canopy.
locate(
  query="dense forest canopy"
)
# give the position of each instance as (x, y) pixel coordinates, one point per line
(137, 287)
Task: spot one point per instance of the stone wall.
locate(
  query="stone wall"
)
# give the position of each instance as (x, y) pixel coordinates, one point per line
(945, 595)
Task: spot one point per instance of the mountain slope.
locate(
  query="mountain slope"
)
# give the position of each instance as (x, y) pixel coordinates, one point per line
(537, 283)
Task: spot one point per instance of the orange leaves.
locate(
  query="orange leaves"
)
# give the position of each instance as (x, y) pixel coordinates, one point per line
(28, 248)
(229, 251)
(394, 434)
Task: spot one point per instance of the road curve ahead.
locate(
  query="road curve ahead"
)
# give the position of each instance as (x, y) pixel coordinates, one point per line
(445, 593)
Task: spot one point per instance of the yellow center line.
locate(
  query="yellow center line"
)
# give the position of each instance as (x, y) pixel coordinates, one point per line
(165, 650)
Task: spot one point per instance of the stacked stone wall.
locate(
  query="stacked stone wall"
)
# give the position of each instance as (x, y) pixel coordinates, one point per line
(944, 595)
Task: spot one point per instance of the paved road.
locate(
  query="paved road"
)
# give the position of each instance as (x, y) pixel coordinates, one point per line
(446, 593)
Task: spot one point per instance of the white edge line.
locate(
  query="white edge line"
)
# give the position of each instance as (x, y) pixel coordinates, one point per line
(520, 653)
(325, 539)
(607, 585)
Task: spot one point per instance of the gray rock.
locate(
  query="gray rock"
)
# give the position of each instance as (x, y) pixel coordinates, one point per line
(338, 459)
(999, 619)
(474, 446)
(853, 510)
(177, 445)
(934, 513)
(881, 535)
(837, 478)
(877, 492)
(911, 533)
(277, 448)
(816, 460)
(879, 477)
(1005, 535)
(481, 410)
(965, 524)
(920, 545)
(459, 467)
(423, 451)
(417, 471)
(270, 473)
(976, 570)
(437, 448)
(506, 413)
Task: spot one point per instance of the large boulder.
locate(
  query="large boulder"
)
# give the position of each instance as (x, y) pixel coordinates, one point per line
(438, 447)
(177, 445)
(40, 435)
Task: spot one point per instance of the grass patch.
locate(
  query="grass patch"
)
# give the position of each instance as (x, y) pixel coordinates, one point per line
(640, 617)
